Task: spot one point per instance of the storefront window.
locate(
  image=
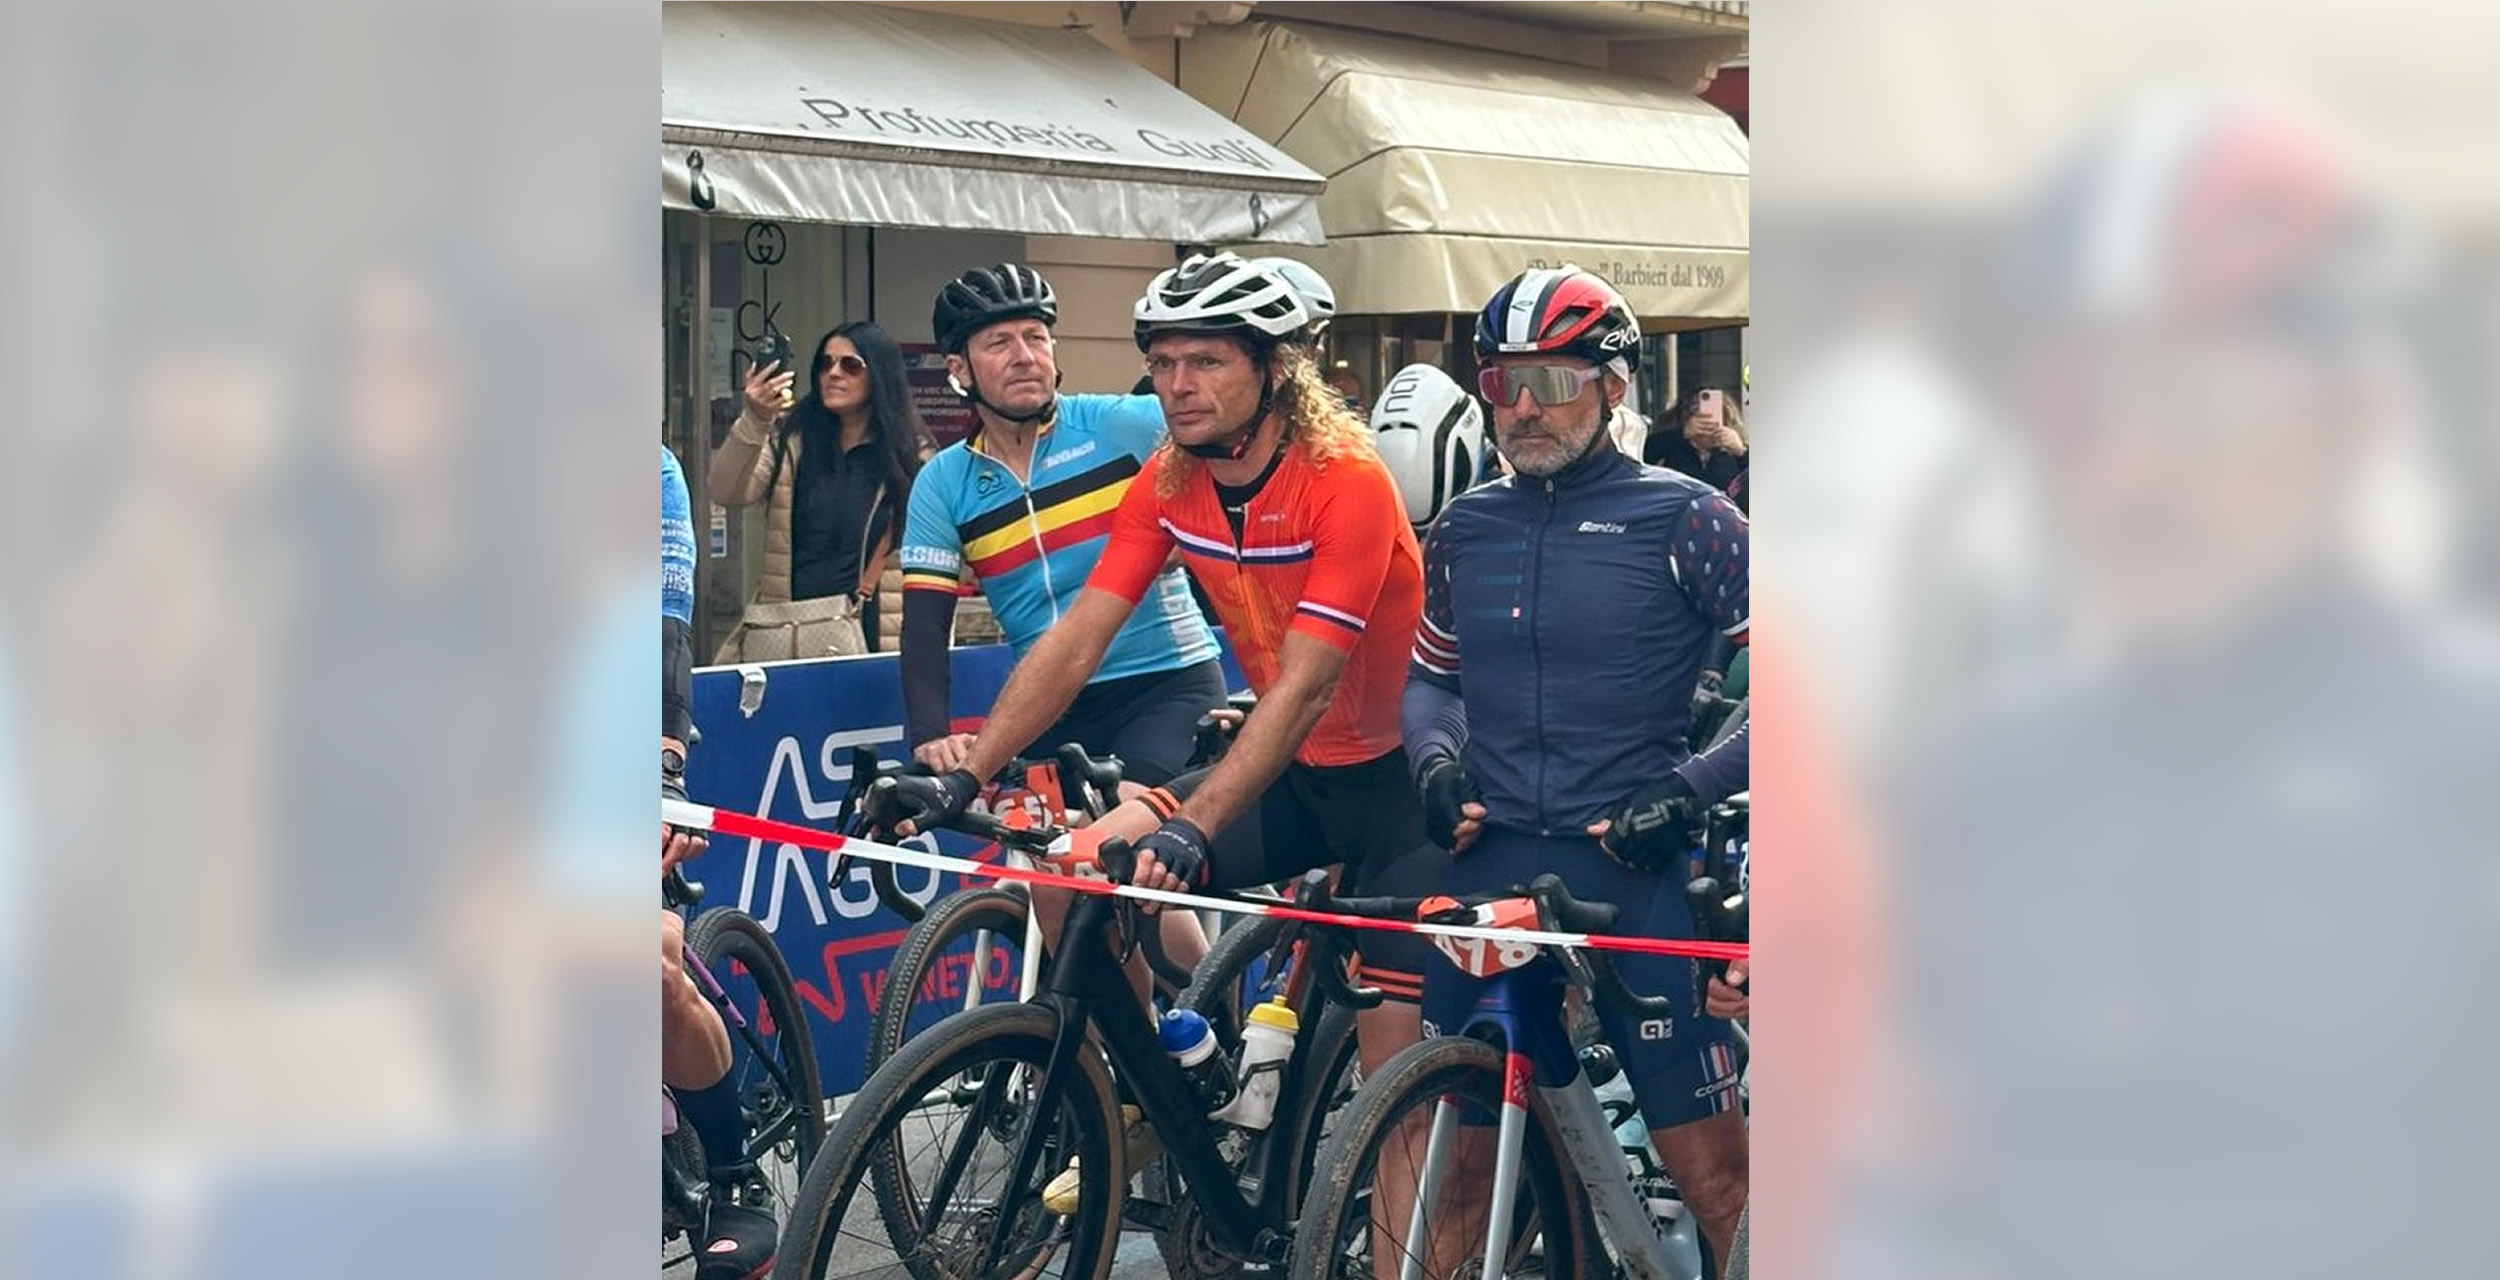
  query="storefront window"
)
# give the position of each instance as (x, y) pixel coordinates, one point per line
(783, 277)
(1362, 352)
(1710, 358)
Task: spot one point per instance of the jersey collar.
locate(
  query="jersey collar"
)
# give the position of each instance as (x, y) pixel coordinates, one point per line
(1602, 460)
(973, 442)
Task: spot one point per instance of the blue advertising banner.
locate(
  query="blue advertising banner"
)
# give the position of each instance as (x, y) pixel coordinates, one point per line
(782, 750)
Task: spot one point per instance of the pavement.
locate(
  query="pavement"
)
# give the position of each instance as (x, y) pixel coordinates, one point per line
(1136, 1260)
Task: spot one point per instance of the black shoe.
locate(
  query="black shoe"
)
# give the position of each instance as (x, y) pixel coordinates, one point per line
(738, 1244)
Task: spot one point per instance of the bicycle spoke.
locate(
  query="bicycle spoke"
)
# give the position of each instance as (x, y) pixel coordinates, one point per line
(958, 1174)
(1442, 1145)
(1029, 1152)
(961, 1155)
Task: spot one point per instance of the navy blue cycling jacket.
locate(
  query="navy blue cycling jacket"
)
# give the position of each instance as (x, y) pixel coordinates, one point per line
(1565, 623)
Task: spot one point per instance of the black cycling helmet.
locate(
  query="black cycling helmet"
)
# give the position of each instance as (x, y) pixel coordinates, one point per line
(984, 296)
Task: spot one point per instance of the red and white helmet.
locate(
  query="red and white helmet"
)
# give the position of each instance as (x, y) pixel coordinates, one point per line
(1559, 311)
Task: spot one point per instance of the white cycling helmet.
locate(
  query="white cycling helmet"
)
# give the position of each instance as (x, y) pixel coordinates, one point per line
(1222, 293)
(1431, 433)
(1317, 297)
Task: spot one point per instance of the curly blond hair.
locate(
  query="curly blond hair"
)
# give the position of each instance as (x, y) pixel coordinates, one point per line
(1316, 422)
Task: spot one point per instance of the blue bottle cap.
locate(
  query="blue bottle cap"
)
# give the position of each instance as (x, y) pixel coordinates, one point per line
(1182, 1029)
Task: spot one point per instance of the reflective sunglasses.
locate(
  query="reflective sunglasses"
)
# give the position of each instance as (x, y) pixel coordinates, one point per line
(1548, 384)
(850, 365)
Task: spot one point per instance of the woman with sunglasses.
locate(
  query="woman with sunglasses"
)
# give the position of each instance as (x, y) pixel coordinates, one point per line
(1705, 440)
(833, 470)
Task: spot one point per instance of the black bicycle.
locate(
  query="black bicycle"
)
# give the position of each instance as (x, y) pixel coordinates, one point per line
(973, 1118)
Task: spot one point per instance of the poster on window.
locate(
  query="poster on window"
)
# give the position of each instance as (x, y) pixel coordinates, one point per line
(717, 346)
(948, 417)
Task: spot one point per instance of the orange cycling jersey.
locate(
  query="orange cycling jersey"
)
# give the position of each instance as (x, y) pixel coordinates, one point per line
(1325, 550)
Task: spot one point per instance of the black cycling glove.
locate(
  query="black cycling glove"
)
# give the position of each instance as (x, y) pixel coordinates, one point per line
(1655, 825)
(927, 803)
(1446, 787)
(1181, 847)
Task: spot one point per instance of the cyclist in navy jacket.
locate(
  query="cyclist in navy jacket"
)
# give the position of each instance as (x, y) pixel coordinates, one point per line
(1568, 610)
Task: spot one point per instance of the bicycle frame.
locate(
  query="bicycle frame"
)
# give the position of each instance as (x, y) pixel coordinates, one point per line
(675, 1187)
(1514, 1006)
(737, 1023)
(1088, 989)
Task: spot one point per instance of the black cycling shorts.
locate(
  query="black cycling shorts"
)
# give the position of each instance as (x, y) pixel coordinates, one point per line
(1150, 722)
(1365, 817)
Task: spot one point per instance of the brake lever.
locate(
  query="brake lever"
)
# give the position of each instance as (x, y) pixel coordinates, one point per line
(1592, 969)
(1116, 859)
(1325, 952)
(864, 774)
(1610, 989)
(1206, 740)
(678, 891)
(1703, 895)
(1309, 893)
(1329, 955)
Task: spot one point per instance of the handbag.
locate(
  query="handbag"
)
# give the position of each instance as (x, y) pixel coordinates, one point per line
(785, 630)
(825, 627)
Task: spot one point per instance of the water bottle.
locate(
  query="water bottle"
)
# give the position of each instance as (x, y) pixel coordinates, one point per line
(1191, 1042)
(1266, 1044)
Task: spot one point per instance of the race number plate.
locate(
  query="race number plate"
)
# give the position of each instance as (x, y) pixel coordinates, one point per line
(1485, 957)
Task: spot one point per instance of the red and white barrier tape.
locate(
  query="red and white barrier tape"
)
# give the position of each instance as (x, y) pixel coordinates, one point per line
(725, 822)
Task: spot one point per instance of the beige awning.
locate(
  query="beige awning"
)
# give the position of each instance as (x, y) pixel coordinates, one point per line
(860, 113)
(1450, 170)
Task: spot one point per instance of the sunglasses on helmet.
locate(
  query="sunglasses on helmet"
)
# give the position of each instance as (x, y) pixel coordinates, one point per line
(1547, 384)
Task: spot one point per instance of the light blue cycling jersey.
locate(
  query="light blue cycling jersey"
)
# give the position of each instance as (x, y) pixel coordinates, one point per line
(676, 541)
(973, 525)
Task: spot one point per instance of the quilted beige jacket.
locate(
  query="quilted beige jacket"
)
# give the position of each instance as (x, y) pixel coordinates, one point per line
(741, 470)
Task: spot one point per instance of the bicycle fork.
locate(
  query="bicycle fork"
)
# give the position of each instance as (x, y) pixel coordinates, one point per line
(1588, 1149)
(1518, 1077)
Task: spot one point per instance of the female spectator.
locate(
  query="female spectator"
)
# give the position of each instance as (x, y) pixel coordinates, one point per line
(832, 471)
(1705, 440)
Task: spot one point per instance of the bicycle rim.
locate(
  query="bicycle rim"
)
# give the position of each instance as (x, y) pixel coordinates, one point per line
(968, 952)
(772, 1063)
(937, 1132)
(1348, 1222)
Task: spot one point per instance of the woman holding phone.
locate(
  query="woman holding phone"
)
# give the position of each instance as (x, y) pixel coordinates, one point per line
(1706, 441)
(833, 467)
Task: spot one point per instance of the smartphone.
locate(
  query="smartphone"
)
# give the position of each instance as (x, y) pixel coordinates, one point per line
(774, 347)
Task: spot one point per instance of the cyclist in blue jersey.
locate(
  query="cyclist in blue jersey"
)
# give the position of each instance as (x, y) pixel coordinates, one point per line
(1019, 511)
(1568, 608)
(738, 1240)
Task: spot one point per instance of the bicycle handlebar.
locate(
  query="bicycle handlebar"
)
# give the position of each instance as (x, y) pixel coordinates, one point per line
(1557, 911)
(1094, 784)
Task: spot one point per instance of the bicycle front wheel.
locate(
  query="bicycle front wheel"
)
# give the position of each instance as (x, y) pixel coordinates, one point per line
(940, 1128)
(1234, 976)
(1360, 1205)
(966, 952)
(773, 1057)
